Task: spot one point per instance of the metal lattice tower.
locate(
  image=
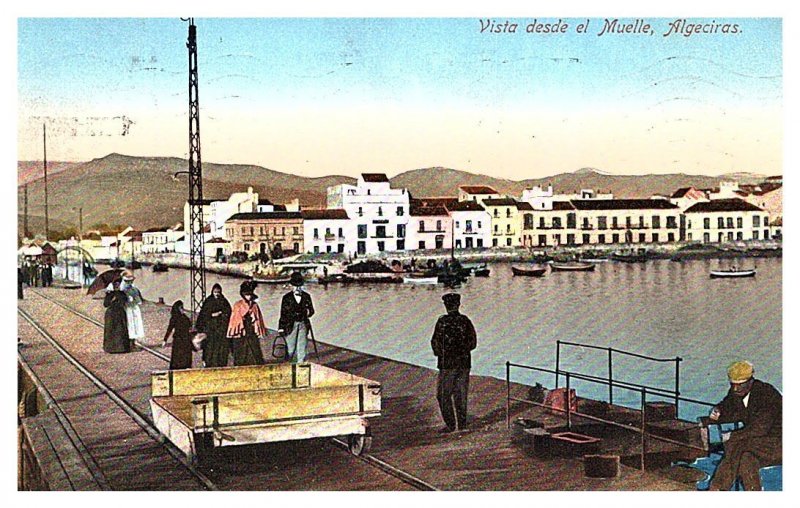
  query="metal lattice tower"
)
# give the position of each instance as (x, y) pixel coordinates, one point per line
(196, 225)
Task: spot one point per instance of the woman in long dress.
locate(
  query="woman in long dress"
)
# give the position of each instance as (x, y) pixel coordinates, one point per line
(179, 325)
(115, 326)
(132, 310)
(213, 319)
(245, 328)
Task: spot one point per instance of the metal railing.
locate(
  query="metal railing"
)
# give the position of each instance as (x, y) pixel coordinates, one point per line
(610, 350)
(642, 389)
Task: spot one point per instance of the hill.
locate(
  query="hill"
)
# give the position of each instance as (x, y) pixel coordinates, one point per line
(143, 191)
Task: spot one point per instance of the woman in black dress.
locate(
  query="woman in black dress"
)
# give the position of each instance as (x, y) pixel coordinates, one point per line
(115, 325)
(180, 324)
(213, 321)
(245, 328)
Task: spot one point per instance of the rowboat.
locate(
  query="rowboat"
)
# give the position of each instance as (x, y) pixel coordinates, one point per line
(160, 267)
(272, 280)
(528, 272)
(480, 272)
(629, 257)
(732, 273)
(410, 279)
(572, 267)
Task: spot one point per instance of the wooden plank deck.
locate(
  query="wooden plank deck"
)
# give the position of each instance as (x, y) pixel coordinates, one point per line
(405, 436)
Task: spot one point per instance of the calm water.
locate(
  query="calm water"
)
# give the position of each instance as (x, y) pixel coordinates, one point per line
(661, 309)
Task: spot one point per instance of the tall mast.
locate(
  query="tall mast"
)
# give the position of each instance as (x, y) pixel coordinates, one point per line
(46, 210)
(196, 248)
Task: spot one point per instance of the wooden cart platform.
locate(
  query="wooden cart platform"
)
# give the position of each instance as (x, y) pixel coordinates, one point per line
(199, 409)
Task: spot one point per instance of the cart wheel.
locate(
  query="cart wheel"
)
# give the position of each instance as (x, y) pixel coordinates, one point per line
(359, 444)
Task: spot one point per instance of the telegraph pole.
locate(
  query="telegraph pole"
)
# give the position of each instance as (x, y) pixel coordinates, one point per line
(196, 247)
(25, 231)
(46, 211)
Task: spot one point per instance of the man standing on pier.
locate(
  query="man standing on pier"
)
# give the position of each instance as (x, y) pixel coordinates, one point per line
(760, 406)
(453, 340)
(296, 309)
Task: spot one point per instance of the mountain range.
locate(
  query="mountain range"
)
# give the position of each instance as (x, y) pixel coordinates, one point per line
(144, 192)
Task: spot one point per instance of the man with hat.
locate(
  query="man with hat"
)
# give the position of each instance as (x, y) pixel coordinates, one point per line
(296, 309)
(760, 407)
(133, 311)
(453, 340)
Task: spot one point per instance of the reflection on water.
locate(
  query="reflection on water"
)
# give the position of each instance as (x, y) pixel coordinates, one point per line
(662, 309)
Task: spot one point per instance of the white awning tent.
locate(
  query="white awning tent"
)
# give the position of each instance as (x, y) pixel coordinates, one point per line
(30, 250)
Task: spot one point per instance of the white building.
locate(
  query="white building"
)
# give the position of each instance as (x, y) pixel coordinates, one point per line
(380, 213)
(687, 197)
(430, 225)
(727, 190)
(328, 230)
(161, 240)
(726, 220)
(472, 225)
(611, 221)
(477, 193)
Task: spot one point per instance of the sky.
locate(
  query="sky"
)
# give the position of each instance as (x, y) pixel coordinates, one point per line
(320, 96)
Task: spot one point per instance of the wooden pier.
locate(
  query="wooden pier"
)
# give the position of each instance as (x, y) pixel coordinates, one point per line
(108, 439)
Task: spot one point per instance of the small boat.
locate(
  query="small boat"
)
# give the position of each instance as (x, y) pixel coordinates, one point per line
(480, 272)
(572, 267)
(160, 267)
(630, 257)
(732, 273)
(271, 280)
(594, 260)
(410, 279)
(528, 272)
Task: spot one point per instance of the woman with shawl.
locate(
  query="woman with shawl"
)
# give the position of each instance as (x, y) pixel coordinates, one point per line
(115, 326)
(245, 327)
(180, 324)
(213, 319)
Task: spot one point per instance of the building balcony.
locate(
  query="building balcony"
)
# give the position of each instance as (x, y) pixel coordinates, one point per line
(381, 237)
(330, 238)
(439, 231)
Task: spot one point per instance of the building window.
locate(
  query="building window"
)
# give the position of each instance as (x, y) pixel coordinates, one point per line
(570, 239)
(380, 211)
(380, 231)
(601, 223)
(628, 221)
(671, 237)
(707, 223)
(399, 211)
(706, 237)
(479, 224)
(642, 238)
(586, 224)
(601, 238)
(615, 238)
(671, 224)
(401, 245)
(730, 236)
(688, 236)
(757, 221)
(739, 222)
(457, 226)
(361, 247)
(316, 233)
(360, 211)
(585, 238)
(738, 235)
(655, 237)
(508, 229)
(641, 221)
(422, 226)
(494, 242)
(362, 230)
(755, 235)
(527, 221)
(656, 222)
(541, 223)
(438, 225)
(730, 222)
(614, 222)
(720, 223)
(468, 226)
(252, 231)
(458, 243)
(261, 230)
(496, 212)
(341, 234)
(316, 249)
(508, 242)
(496, 228)
(508, 213)
(283, 231)
(422, 244)
(247, 247)
(381, 246)
(401, 231)
(766, 234)
(557, 222)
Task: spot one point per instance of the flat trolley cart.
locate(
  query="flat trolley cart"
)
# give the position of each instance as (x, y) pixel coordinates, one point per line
(200, 409)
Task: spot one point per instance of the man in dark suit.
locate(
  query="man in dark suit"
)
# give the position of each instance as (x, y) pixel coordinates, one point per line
(296, 309)
(760, 406)
(453, 340)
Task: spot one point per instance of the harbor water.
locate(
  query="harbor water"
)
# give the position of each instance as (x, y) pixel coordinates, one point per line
(660, 309)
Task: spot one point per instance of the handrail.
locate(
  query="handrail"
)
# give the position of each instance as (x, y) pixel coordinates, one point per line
(570, 413)
(611, 351)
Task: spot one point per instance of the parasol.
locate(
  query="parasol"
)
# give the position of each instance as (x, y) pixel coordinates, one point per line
(104, 279)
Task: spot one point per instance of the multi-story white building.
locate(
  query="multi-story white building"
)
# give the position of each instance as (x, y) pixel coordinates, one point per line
(328, 230)
(547, 227)
(477, 193)
(505, 222)
(430, 225)
(472, 225)
(609, 221)
(161, 240)
(726, 220)
(380, 213)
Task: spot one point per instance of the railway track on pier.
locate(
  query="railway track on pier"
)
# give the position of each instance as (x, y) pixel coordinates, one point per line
(144, 420)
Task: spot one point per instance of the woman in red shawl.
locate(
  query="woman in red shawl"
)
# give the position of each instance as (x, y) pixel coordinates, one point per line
(245, 327)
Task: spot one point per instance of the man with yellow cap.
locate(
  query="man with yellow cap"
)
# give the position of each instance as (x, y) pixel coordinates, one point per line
(760, 407)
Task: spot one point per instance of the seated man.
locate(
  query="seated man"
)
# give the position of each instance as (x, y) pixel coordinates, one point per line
(760, 406)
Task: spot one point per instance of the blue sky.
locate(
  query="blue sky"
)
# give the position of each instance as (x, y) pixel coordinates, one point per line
(343, 95)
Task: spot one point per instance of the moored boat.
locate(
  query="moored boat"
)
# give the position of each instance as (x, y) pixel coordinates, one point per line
(160, 267)
(411, 279)
(732, 273)
(630, 257)
(480, 272)
(528, 272)
(572, 267)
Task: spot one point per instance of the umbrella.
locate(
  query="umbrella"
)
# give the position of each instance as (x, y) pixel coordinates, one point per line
(104, 279)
